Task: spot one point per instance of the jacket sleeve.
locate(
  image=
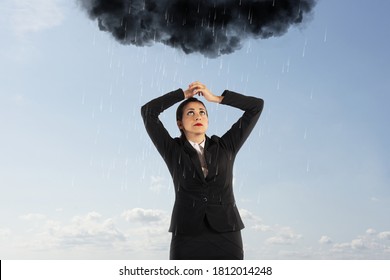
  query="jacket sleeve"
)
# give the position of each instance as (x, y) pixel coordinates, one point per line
(235, 137)
(150, 113)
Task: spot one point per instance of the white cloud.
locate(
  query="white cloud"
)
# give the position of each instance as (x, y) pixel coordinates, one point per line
(365, 246)
(148, 229)
(276, 241)
(25, 16)
(325, 240)
(384, 235)
(144, 215)
(32, 216)
(157, 184)
(140, 233)
(261, 227)
(135, 234)
(37, 15)
(247, 215)
(358, 244)
(91, 229)
(5, 232)
(284, 236)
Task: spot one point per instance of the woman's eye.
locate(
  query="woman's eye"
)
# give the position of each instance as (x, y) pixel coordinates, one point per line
(202, 113)
(190, 113)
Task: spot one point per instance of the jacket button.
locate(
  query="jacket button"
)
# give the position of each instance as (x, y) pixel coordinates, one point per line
(204, 199)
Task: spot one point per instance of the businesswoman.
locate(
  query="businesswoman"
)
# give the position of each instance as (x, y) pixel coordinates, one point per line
(205, 222)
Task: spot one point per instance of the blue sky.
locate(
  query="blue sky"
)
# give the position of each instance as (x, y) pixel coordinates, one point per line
(80, 178)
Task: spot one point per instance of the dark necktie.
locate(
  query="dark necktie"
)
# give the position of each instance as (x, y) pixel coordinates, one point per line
(202, 159)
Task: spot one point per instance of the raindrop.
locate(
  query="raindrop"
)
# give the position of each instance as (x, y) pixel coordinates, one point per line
(304, 48)
(257, 62)
(249, 48)
(98, 130)
(144, 174)
(326, 35)
(101, 104)
(288, 65)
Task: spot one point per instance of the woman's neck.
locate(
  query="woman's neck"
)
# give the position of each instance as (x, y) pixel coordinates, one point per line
(197, 138)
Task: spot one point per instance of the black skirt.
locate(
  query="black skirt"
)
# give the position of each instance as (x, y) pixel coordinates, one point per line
(207, 245)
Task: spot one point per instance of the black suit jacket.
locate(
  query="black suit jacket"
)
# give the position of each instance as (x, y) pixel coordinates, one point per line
(198, 197)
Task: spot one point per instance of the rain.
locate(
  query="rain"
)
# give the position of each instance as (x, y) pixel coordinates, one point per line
(77, 137)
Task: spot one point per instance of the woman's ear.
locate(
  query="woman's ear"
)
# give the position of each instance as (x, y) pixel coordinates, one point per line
(180, 124)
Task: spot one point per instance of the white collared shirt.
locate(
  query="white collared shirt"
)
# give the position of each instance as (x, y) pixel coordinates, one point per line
(197, 146)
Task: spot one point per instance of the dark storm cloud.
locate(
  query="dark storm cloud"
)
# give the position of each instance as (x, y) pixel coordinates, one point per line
(210, 27)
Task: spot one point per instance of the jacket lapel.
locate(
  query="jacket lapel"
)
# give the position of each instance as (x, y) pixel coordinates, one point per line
(209, 158)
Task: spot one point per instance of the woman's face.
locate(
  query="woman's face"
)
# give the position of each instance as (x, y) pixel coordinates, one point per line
(194, 121)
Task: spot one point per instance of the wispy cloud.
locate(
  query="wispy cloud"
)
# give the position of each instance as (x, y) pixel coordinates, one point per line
(145, 215)
(5, 232)
(325, 240)
(32, 216)
(284, 236)
(281, 235)
(370, 245)
(384, 235)
(25, 16)
(136, 233)
(283, 242)
(140, 233)
(158, 184)
(91, 229)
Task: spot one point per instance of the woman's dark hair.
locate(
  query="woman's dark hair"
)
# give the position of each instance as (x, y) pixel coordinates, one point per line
(179, 111)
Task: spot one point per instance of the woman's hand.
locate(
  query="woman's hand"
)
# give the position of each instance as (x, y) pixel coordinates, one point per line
(201, 90)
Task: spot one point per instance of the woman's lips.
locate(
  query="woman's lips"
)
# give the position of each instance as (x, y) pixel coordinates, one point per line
(198, 124)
